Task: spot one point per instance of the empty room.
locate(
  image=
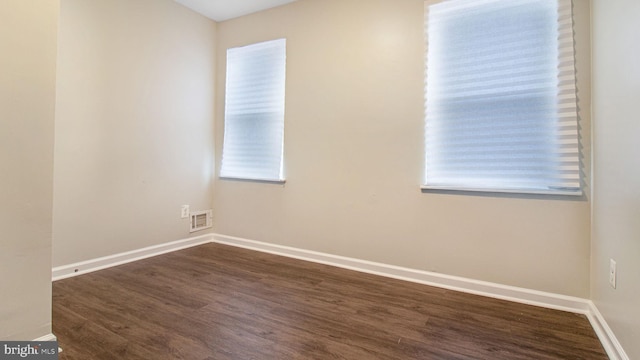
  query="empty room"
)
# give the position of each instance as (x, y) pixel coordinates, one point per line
(320, 179)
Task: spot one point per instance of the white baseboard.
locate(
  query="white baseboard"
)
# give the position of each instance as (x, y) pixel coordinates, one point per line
(511, 293)
(48, 337)
(605, 334)
(84, 267)
(498, 291)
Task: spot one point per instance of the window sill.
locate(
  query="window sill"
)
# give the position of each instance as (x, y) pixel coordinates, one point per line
(427, 188)
(265, 181)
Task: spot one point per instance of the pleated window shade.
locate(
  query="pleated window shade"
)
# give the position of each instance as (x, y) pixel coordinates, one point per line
(500, 97)
(254, 112)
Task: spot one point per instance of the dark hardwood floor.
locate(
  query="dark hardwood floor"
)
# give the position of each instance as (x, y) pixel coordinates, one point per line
(219, 302)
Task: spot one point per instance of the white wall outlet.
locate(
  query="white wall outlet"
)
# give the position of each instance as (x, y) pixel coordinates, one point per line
(612, 273)
(184, 212)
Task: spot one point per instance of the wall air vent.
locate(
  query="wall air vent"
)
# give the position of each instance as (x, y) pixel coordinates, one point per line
(201, 220)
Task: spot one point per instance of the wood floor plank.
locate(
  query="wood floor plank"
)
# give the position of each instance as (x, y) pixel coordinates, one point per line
(220, 302)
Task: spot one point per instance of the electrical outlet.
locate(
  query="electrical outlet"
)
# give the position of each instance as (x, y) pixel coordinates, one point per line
(612, 273)
(184, 213)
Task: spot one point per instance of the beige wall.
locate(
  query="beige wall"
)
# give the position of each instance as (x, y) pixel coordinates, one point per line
(134, 125)
(354, 157)
(616, 205)
(28, 30)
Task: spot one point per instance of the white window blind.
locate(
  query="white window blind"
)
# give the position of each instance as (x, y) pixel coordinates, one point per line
(500, 97)
(254, 112)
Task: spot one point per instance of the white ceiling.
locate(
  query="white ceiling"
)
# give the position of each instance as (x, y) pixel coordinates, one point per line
(220, 10)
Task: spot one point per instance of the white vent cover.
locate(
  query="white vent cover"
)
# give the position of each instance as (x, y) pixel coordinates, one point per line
(201, 220)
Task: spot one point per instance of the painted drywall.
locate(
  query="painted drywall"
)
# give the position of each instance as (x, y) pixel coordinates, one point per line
(616, 197)
(134, 125)
(354, 157)
(28, 32)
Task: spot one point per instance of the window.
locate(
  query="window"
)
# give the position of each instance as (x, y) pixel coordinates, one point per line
(500, 97)
(254, 112)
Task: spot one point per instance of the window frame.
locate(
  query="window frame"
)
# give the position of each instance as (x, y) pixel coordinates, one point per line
(573, 191)
(233, 109)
